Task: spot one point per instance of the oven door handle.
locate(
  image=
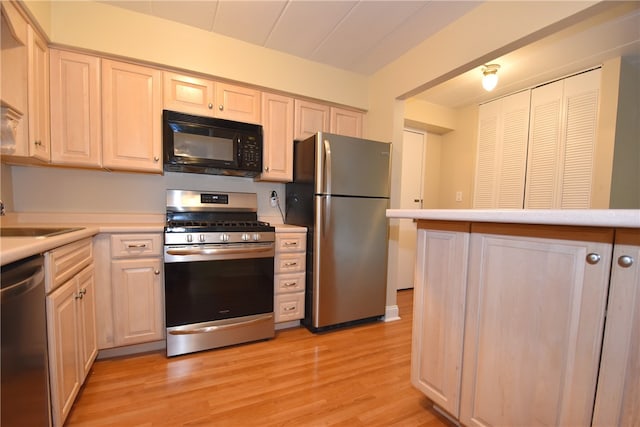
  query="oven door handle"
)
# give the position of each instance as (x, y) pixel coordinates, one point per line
(219, 251)
(206, 329)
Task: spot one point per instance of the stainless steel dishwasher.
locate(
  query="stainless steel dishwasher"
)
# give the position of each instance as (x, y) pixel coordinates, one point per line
(24, 372)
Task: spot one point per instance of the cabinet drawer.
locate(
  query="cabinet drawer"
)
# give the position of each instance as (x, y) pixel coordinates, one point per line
(289, 282)
(289, 262)
(289, 307)
(291, 242)
(136, 245)
(64, 262)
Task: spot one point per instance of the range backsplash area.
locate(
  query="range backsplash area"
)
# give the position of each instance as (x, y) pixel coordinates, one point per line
(46, 189)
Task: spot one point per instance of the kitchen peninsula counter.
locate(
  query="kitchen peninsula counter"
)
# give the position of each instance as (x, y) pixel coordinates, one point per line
(628, 218)
(499, 290)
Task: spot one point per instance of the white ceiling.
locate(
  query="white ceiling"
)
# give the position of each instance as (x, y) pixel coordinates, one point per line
(364, 35)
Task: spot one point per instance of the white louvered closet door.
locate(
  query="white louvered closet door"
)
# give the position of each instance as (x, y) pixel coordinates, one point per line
(502, 152)
(562, 138)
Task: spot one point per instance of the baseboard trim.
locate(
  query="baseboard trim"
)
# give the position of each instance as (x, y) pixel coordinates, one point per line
(391, 313)
(108, 353)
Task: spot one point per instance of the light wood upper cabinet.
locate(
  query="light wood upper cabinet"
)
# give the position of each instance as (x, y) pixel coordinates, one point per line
(310, 118)
(346, 122)
(238, 103)
(38, 92)
(618, 396)
(76, 138)
(536, 302)
(131, 117)
(277, 124)
(25, 89)
(203, 97)
(188, 94)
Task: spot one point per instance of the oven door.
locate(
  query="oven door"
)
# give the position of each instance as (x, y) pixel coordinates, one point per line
(204, 283)
(218, 295)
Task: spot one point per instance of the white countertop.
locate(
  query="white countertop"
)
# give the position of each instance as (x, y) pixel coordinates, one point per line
(627, 218)
(16, 248)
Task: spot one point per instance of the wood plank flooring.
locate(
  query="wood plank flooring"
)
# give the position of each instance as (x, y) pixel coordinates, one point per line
(350, 377)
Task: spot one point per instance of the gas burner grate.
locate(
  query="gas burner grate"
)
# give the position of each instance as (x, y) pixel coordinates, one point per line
(216, 224)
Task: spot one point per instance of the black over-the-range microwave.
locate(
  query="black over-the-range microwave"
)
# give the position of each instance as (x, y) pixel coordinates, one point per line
(208, 145)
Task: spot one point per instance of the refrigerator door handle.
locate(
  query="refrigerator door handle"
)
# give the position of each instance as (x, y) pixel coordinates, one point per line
(327, 166)
(326, 215)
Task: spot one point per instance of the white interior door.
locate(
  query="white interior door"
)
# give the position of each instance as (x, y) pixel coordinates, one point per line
(411, 183)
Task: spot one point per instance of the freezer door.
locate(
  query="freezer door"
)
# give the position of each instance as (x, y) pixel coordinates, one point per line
(350, 260)
(351, 166)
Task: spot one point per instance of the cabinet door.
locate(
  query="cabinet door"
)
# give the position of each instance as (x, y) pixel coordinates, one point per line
(137, 300)
(534, 322)
(63, 334)
(88, 345)
(131, 117)
(38, 96)
(75, 109)
(618, 397)
(309, 118)
(188, 94)
(238, 103)
(277, 123)
(438, 318)
(345, 122)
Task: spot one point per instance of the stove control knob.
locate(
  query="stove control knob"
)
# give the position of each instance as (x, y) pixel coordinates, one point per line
(189, 238)
(245, 237)
(224, 237)
(201, 238)
(256, 236)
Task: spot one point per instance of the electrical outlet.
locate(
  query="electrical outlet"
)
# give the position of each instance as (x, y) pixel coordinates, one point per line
(274, 199)
(458, 196)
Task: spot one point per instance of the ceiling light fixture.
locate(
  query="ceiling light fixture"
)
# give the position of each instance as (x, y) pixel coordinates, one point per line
(490, 76)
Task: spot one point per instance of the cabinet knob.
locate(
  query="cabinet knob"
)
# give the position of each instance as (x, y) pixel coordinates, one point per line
(156, 272)
(625, 261)
(266, 168)
(79, 295)
(593, 258)
(156, 159)
(210, 106)
(37, 143)
(220, 107)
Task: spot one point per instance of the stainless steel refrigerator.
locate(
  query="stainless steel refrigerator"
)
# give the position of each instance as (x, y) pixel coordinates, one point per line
(340, 192)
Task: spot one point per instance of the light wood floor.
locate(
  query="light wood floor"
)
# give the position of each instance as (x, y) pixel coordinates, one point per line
(350, 377)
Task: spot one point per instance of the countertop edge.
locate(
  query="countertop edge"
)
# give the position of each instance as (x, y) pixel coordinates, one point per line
(626, 218)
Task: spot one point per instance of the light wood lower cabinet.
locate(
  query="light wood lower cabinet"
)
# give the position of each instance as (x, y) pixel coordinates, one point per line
(618, 396)
(534, 322)
(289, 276)
(439, 304)
(71, 326)
(137, 299)
(530, 302)
(130, 294)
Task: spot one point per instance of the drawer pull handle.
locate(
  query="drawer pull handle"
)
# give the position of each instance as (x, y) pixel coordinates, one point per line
(290, 264)
(136, 245)
(289, 284)
(290, 308)
(291, 243)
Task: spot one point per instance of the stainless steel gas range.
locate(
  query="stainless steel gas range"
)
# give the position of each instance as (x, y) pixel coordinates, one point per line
(218, 261)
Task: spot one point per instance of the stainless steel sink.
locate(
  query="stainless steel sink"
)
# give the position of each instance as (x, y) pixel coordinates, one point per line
(35, 231)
